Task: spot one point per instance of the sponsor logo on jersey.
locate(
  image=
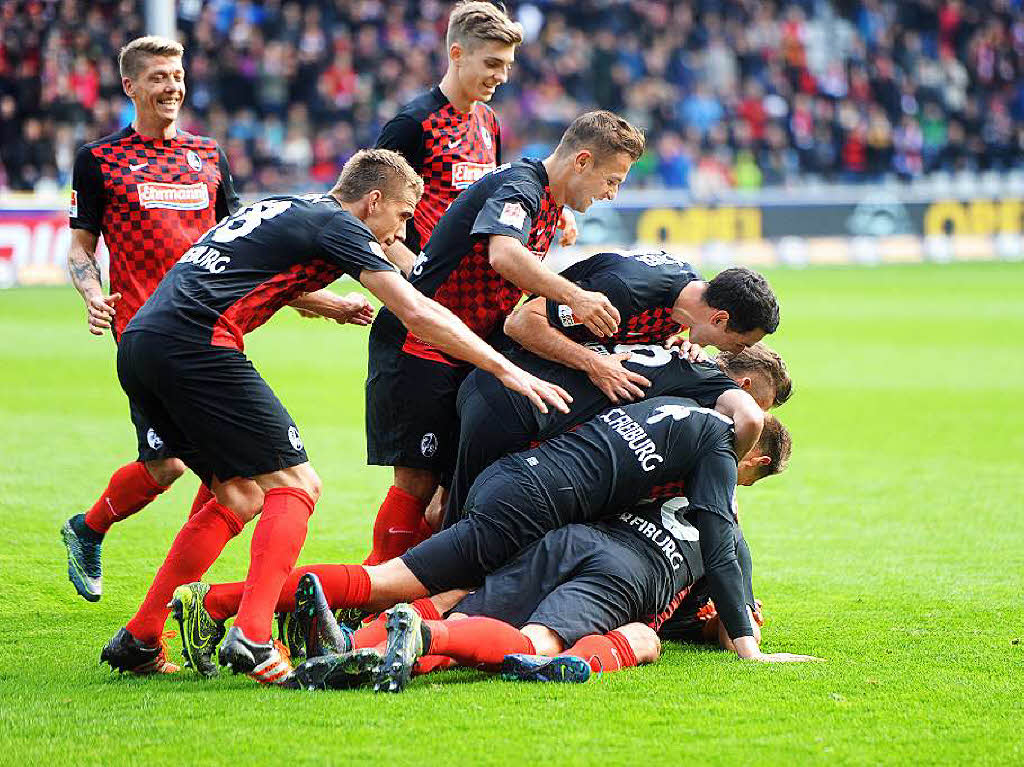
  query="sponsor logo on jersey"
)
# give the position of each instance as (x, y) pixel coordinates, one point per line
(466, 173)
(193, 161)
(154, 440)
(73, 207)
(513, 214)
(636, 438)
(566, 317)
(206, 257)
(293, 437)
(428, 445)
(175, 196)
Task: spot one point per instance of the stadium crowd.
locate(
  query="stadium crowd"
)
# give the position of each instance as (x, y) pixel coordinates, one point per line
(737, 93)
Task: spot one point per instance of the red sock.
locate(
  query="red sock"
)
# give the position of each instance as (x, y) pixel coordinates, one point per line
(610, 652)
(373, 633)
(397, 527)
(203, 494)
(429, 663)
(276, 543)
(196, 547)
(477, 642)
(130, 489)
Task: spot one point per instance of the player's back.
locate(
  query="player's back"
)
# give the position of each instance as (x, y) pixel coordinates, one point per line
(616, 459)
(255, 262)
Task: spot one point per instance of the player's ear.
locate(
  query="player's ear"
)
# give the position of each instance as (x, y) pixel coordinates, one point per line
(719, 318)
(128, 86)
(373, 199)
(584, 159)
(745, 383)
(455, 53)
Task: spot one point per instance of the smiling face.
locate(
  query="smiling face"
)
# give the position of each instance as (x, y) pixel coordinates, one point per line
(158, 90)
(482, 66)
(594, 179)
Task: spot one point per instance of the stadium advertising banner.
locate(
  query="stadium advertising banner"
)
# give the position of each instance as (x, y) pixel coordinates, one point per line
(880, 228)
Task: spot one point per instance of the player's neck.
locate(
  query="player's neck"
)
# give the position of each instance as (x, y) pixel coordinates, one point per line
(558, 177)
(155, 128)
(689, 303)
(456, 97)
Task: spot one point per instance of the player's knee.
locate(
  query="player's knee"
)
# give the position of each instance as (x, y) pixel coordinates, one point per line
(643, 641)
(165, 471)
(310, 482)
(545, 641)
(421, 483)
(242, 496)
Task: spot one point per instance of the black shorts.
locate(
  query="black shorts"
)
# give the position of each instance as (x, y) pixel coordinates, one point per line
(506, 510)
(411, 419)
(576, 580)
(208, 405)
(485, 435)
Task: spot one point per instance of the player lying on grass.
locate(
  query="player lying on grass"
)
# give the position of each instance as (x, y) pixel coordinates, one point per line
(586, 597)
(609, 463)
(758, 370)
(482, 255)
(180, 361)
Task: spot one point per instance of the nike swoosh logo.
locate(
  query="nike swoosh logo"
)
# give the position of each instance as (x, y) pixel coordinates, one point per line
(396, 531)
(453, 144)
(140, 166)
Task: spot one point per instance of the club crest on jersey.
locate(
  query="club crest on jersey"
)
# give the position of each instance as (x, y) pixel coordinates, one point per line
(566, 317)
(193, 161)
(428, 445)
(486, 136)
(293, 437)
(466, 173)
(175, 196)
(513, 214)
(154, 440)
(73, 207)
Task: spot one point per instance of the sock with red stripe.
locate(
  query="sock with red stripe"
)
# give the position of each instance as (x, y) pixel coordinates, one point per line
(610, 652)
(195, 548)
(397, 527)
(130, 489)
(276, 543)
(203, 495)
(476, 642)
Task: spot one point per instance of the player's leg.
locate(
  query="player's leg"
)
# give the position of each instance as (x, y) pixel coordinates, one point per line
(411, 425)
(625, 647)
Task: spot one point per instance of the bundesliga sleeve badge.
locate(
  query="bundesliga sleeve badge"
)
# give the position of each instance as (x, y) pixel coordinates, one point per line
(513, 214)
(73, 207)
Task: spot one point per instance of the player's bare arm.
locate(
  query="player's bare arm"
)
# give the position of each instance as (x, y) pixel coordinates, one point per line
(85, 274)
(403, 258)
(747, 417)
(437, 326)
(529, 327)
(351, 308)
(515, 263)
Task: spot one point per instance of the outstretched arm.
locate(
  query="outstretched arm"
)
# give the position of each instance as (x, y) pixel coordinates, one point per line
(437, 326)
(352, 308)
(747, 418)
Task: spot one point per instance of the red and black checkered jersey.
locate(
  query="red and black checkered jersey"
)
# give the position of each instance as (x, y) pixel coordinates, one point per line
(643, 286)
(253, 263)
(454, 269)
(150, 199)
(448, 148)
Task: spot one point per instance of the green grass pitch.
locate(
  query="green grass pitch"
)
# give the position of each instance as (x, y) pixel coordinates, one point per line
(894, 547)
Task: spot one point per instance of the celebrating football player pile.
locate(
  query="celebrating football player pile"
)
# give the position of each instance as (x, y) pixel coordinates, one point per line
(556, 507)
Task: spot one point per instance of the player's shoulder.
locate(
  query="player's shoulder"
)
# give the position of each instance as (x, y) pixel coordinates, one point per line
(422, 106)
(527, 176)
(487, 112)
(195, 141)
(110, 140)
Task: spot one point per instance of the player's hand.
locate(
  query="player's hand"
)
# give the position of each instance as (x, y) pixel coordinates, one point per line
(540, 392)
(596, 312)
(101, 312)
(617, 383)
(690, 351)
(352, 308)
(567, 223)
(305, 312)
(786, 657)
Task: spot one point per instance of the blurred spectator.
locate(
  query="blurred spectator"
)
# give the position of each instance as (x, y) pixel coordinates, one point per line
(736, 93)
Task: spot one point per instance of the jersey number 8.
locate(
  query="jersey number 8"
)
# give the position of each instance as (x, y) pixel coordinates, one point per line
(247, 219)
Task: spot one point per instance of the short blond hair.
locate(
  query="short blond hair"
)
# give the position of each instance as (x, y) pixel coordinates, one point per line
(604, 133)
(760, 358)
(479, 22)
(776, 443)
(380, 169)
(132, 57)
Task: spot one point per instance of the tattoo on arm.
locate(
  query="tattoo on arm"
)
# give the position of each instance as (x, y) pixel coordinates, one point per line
(83, 269)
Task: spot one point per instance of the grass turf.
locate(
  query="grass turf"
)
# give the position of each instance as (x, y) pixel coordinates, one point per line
(893, 547)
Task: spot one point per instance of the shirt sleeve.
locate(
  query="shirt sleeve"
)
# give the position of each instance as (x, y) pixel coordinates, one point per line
(722, 570)
(703, 382)
(88, 197)
(403, 134)
(509, 211)
(227, 197)
(746, 567)
(354, 248)
(561, 318)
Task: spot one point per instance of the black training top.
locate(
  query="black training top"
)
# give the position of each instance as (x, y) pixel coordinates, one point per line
(253, 263)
